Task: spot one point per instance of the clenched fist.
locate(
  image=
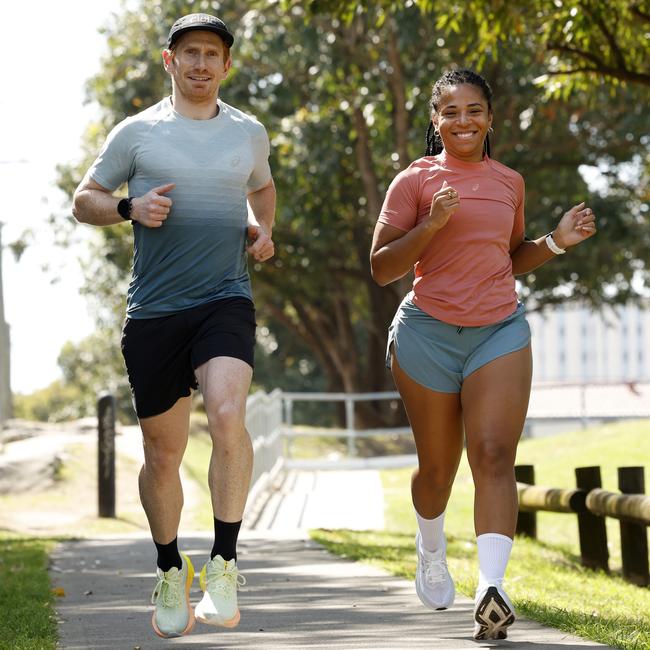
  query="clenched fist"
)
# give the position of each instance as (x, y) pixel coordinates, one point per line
(152, 208)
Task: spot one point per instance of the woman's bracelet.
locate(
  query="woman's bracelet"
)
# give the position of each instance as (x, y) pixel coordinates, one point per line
(550, 242)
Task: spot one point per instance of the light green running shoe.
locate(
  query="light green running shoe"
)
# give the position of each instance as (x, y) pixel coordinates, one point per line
(220, 580)
(173, 614)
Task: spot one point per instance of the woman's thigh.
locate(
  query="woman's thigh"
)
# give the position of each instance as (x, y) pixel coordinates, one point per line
(435, 419)
(494, 402)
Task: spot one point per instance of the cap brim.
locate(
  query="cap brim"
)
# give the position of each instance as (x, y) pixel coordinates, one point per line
(225, 36)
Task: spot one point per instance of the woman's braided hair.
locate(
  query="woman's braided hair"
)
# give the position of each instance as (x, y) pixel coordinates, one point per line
(455, 78)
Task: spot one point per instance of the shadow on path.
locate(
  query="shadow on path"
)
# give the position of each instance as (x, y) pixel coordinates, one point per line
(297, 596)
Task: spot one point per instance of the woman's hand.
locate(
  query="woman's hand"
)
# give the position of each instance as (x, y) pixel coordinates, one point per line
(578, 224)
(444, 203)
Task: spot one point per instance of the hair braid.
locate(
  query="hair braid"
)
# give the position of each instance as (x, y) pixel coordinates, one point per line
(434, 143)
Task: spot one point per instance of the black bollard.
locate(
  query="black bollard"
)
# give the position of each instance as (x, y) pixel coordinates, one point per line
(106, 455)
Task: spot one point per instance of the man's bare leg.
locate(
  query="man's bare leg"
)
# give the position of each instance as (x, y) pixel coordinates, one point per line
(225, 382)
(164, 440)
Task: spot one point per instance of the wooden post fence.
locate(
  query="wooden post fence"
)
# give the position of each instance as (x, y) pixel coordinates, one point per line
(591, 528)
(634, 536)
(526, 519)
(592, 505)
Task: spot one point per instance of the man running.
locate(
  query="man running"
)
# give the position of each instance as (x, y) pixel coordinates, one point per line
(199, 187)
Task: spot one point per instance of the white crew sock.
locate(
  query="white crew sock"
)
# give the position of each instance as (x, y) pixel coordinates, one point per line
(432, 531)
(493, 555)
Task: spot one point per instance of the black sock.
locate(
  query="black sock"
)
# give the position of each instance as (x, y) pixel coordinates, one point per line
(168, 555)
(225, 539)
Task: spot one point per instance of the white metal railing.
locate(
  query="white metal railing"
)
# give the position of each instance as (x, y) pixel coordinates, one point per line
(349, 432)
(587, 401)
(264, 424)
(270, 419)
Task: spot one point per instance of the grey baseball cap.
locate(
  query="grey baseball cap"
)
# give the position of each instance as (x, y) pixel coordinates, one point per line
(205, 22)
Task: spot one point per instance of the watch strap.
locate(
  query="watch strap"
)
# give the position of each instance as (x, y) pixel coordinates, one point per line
(124, 207)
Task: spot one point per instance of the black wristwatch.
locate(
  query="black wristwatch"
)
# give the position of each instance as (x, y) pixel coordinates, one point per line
(124, 208)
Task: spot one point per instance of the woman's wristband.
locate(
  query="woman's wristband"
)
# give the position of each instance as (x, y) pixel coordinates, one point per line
(550, 242)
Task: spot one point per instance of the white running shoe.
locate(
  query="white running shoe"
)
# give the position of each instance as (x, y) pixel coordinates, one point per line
(493, 613)
(433, 584)
(173, 615)
(219, 580)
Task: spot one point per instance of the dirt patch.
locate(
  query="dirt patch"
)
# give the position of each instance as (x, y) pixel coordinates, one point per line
(69, 504)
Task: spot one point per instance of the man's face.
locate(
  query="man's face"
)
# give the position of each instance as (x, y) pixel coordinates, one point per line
(198, 65)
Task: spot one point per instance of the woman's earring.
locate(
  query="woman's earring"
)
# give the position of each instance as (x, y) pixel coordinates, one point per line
(490, 130)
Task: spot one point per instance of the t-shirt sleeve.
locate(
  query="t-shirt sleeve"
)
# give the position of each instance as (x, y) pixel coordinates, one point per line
(400, 208)
(261, 174)
(115, 163)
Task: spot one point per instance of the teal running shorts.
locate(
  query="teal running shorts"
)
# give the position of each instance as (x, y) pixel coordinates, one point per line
(439, 356)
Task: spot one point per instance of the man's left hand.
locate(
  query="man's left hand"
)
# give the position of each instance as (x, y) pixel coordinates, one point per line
(261, 246)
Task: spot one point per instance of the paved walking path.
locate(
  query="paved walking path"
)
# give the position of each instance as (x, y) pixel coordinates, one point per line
(297, 596)
(300, 499)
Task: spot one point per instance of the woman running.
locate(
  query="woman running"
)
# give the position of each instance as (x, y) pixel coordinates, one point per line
(459, 345)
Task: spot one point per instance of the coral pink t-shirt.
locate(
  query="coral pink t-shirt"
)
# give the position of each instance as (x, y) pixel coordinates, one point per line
(464, 277)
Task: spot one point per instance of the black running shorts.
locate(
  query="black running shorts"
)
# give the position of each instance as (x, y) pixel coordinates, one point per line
(161, 354)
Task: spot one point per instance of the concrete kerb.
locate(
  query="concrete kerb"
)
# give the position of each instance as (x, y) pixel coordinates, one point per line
(297, 596)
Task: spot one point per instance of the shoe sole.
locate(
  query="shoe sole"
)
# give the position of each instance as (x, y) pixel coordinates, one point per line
(231, 622)
(190, 623)
(493, 617)
(214, 620)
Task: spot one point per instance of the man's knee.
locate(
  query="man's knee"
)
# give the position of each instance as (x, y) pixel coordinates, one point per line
(163, 453)
(227, 419)
(162, 459)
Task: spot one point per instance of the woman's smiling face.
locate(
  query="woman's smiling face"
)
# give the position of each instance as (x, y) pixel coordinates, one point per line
(463, 119)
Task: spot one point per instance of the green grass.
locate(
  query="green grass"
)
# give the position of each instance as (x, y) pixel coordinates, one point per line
(26, 598)
(309, 447)
(545, 578)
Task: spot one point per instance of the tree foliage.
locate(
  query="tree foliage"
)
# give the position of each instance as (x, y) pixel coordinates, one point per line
(90, 368)
(344, 96)
(58, 402)
(582, 42)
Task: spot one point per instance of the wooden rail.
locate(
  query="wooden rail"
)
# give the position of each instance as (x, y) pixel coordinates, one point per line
(592, 505)
(536, 497)
(634, 508)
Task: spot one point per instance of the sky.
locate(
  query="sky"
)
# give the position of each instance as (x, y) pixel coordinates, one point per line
(42, 118)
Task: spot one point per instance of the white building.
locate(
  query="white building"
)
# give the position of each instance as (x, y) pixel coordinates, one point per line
(589, 366)
(575, 344)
